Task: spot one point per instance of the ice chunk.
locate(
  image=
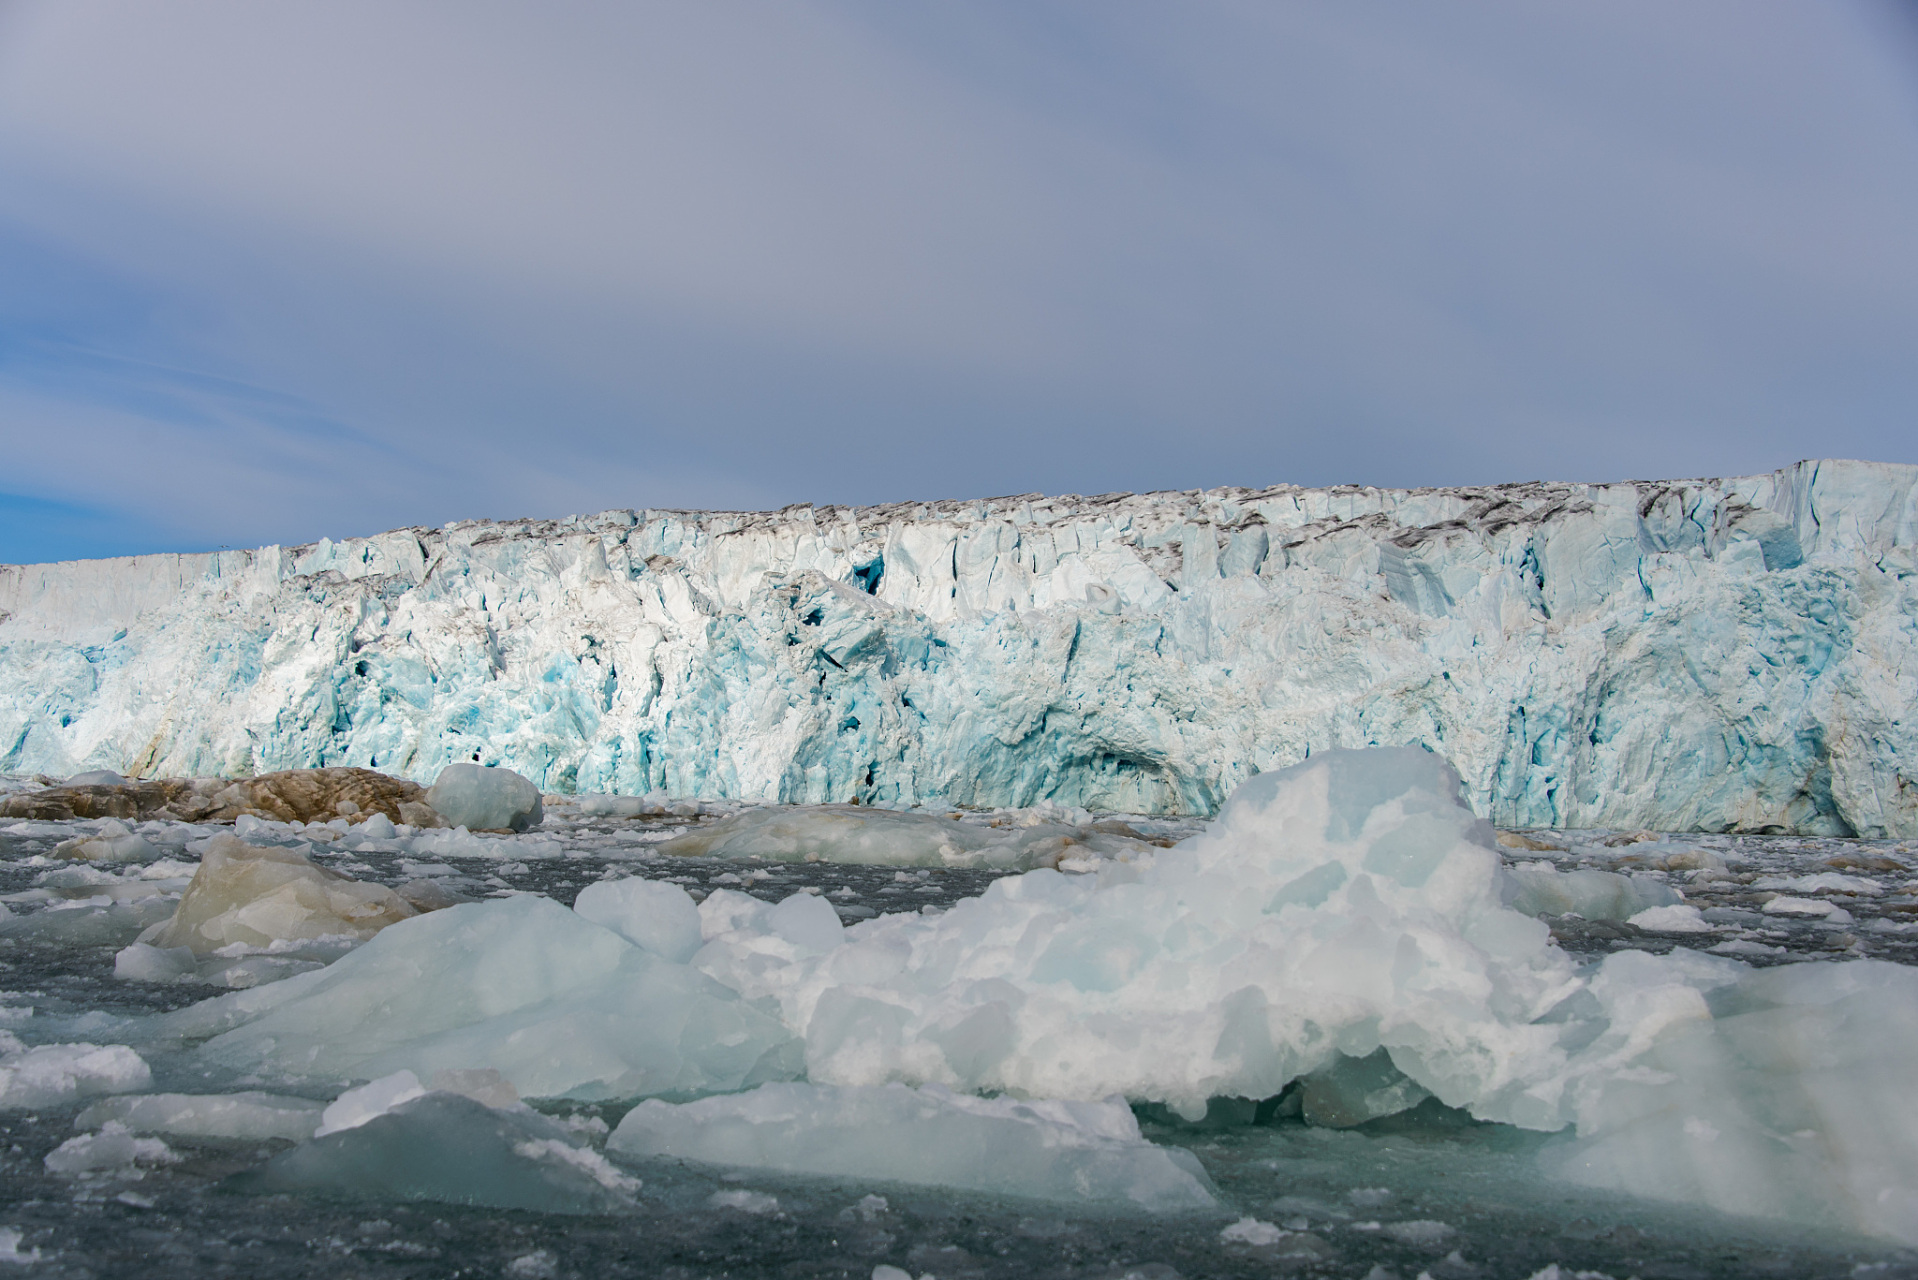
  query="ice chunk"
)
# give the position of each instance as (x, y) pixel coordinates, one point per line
(603, 806)
(256, 896)
(1823, 882)
(757, 1203)
(52, 1074)
(448, 1148)
(1539, 890)
(112, 843)
(1253, 1232)
(483, 799)
(90, 923)
(10, 1250)
(96, 778)
(247, 1116)
(880, 837)
(1678, 918)
(808, 922)
(142, 962)
(1421, 1232)
(558, 1005)
(1073, 1151)
(458, 842)
(658, 916)
(375, 1098)
(1812, 907)
(1793, 1103)
(111, 1148)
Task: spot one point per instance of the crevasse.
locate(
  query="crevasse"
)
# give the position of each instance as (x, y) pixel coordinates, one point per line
(1714, 654)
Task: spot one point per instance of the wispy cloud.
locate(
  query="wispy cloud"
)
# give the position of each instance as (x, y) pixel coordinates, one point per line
(326, 269)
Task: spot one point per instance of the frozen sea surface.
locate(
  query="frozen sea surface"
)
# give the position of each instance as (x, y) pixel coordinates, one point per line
(1425, 1191)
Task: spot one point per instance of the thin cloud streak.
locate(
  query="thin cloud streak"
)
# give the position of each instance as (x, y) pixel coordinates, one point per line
(528, 261)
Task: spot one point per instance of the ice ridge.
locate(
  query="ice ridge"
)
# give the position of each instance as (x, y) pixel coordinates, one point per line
(1716, 654)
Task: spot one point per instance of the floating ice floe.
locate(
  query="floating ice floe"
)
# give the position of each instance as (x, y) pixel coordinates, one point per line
(1085, 1152)
(559, 1006)
(883, 837)
(377, 1097)
(258, 896)
(1814, 908)
(10, 1250)
(1540, 890)
(481, 798)
(598, 805)
(245, 1116)
(1821, 882)
(115, 842)
(50, 1075)
(446, 1147)
(1676, 918)
(113, 1147)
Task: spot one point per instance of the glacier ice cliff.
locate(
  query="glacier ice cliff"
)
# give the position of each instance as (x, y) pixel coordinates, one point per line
(1736, 654)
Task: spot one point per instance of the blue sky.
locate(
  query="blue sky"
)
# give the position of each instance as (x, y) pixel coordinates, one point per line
(275, 272)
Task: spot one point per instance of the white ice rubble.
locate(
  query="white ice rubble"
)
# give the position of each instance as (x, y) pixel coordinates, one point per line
(1689, 655)
(1345, 924)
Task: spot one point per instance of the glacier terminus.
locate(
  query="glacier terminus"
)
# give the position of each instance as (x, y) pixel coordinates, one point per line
(1712, 655)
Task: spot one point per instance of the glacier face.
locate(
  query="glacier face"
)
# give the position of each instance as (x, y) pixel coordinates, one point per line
(1716, 654)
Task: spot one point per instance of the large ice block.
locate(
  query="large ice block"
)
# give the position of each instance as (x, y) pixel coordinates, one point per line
(1072, 1151)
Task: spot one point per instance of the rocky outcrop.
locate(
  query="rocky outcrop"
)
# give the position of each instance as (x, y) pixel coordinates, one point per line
(291, 795)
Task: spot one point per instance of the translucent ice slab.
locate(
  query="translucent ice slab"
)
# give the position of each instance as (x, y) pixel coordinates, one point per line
(1071, 1151)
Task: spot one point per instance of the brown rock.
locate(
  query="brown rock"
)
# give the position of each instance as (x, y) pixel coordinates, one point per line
(320, 795)
(130, 801)
(292, 795)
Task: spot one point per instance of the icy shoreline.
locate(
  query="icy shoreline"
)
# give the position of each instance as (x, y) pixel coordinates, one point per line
(1731, 654)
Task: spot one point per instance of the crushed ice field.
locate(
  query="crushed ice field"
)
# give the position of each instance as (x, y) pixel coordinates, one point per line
(1340, 1030)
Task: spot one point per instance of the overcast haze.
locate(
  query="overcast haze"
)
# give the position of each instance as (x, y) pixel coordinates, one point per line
(270, 272)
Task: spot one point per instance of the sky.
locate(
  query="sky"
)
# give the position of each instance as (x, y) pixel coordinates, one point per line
(271, 272)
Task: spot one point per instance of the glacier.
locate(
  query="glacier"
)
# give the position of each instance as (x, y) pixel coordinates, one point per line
(1714, 655)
